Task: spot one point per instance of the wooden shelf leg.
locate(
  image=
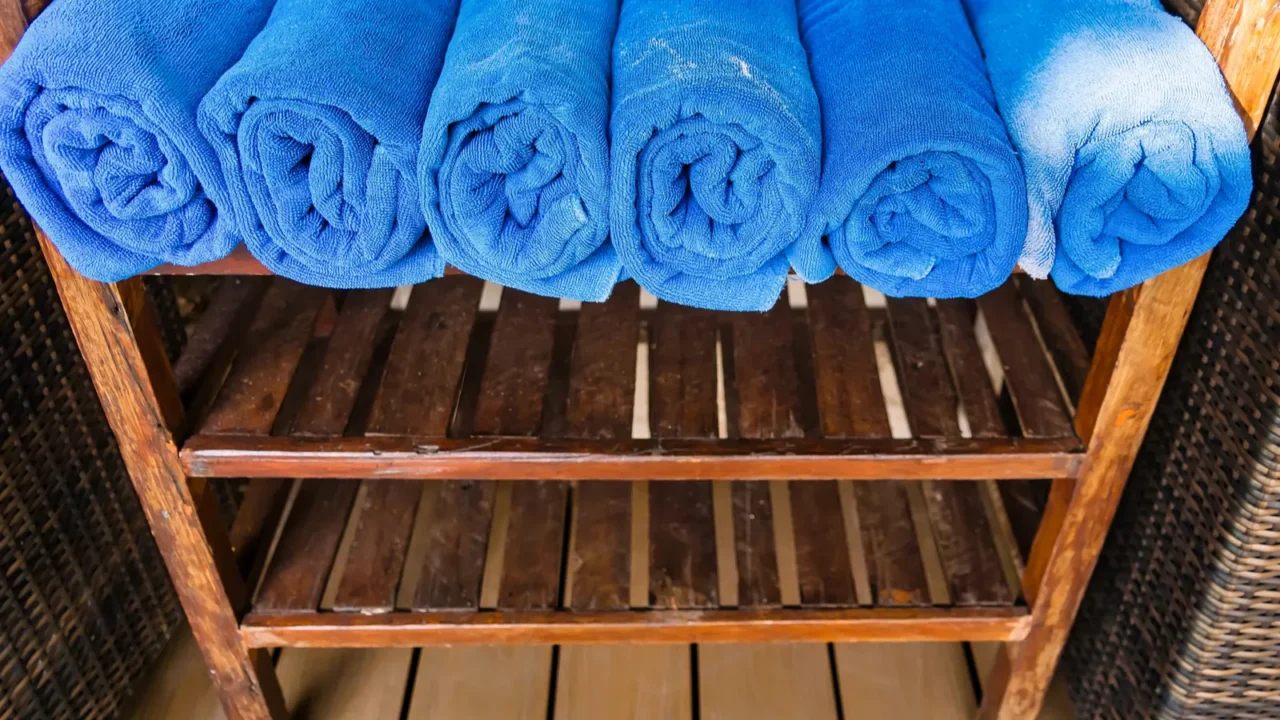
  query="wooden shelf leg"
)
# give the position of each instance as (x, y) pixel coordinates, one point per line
(1135, 351)
(118, 334)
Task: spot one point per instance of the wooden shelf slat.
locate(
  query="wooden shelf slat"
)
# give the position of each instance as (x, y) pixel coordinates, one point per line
(406, 629)
(682, 544)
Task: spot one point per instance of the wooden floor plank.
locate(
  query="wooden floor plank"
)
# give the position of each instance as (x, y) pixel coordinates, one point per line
(344, 683)
(511, 683)
(1057, 702)
(778, 680)
(682, 546)
(624, 682)
(851, 403)
(896, 681)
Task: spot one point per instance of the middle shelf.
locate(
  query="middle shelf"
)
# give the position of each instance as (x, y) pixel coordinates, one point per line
(307, 382)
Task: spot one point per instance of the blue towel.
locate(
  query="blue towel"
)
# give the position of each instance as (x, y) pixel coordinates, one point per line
(317, 128)
(716, 148)
(514, 168)
(98, 129)
(1136, 160)
(922, 194)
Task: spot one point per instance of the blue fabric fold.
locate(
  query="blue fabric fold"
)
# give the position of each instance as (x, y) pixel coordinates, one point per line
(98, 131)
(317, 129)
(1135, 158)
(514, 166)
(716, 147)
(922, 194)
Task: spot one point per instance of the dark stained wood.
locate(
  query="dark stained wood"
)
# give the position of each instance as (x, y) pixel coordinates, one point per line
(535, 536)
(822, 555)
(961, 530)
(135, 388)
(347, 358)
(417, 395)
(458, 536)
(1028, 373)
(272, 348)
(851, 403)
(420, 384)
(516, 458)
(215, 338)
(682, 403)
(1065, 345)
(600, 404)
(956, 320)
(296, 575)
(511, 398)
(602, 380)
(375, 560)
(768, 406)
(515, 375)
(654, 626)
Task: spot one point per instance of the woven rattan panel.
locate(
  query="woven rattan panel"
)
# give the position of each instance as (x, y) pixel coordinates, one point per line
(1181, 619)
(85, 604)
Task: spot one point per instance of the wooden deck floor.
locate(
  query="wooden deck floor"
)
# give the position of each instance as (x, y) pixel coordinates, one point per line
(931, 681)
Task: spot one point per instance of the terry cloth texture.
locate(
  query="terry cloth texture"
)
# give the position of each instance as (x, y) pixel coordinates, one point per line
(514, 167)
(716, 148)
(98, 131)
(317, 129)
(1136, 161)
(922, 194)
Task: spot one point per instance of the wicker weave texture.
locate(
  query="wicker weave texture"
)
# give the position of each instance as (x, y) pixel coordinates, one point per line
(85, 603)
(1182, 619)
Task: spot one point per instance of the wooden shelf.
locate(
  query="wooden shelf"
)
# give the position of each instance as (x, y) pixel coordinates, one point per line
(305, 382)
(410, 563)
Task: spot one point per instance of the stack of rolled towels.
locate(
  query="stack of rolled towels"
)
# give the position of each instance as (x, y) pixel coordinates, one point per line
(705, 148)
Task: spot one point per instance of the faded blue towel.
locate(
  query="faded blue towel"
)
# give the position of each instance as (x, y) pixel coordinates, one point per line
(1136, 160)
(317, 129)
(921, 194)
(514, 168)
(716, 148)
(98, 129)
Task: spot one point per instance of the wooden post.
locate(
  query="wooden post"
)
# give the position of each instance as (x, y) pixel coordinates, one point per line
(1131, 362)
(118, 335)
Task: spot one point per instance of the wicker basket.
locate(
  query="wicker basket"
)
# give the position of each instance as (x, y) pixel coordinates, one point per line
(85, 602)
(1182, 619)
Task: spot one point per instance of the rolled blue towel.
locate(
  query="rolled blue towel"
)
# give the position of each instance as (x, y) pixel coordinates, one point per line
(317, 129)
(514, 167)
(922, 194)
(98, 131)
(1136, 160)
(716, 146)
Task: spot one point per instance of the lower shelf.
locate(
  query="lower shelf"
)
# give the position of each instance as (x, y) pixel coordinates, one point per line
(410, 563)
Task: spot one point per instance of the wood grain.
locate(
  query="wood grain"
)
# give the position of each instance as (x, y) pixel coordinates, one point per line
(851, 402)
(512, 683)
(406, 629)
(1028, 373)
(624, 682)
(682, 390)
(771, 680)
(272, 348)
(889, 681)
(131, 386)
(1059, 332)
(345, 683)
(517, 458)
